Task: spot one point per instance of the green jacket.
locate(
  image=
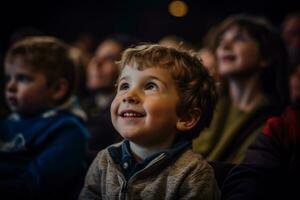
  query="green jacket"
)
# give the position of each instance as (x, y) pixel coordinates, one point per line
(231, 131)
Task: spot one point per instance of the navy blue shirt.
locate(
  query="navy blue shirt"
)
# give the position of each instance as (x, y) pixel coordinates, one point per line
(42, 156)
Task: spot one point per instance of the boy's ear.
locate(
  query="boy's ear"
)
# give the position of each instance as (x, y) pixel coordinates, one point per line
(188, 120)
(60, 88)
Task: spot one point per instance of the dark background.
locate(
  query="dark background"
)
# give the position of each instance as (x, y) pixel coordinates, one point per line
(148, 20)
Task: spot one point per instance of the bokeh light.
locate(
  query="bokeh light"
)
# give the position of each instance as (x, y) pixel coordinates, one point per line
(178, 8)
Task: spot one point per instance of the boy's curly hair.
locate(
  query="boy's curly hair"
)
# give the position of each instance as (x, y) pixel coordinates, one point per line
(196, 88)
(48, 55)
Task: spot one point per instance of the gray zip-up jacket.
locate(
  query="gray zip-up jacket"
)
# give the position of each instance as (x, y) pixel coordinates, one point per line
(187, 176)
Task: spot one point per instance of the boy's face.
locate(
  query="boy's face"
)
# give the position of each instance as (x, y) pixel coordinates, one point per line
(144, 109)
(26, 90)
(237, 53)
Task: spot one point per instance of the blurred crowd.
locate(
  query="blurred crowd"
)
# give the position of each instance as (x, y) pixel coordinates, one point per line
(253, 139)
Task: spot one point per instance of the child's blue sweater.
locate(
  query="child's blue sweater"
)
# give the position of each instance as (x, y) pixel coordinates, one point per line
(42, 157)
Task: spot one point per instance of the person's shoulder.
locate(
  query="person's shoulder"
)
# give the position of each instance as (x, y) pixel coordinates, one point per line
(66, 117)
(64, 114)
(190, 154)
(64, 121)
(190, 159)
(286, 123)
(194, 168)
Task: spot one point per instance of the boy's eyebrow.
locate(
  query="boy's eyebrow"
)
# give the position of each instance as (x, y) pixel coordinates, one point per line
(155, 78)
(122, 78)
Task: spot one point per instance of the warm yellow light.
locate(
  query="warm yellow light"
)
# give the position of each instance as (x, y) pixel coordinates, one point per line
(178, 8)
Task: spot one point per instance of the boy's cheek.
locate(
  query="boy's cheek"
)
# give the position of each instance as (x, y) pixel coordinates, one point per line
(114, 106)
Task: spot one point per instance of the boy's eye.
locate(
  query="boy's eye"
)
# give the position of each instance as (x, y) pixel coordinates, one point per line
(7, 78)
(151, 86)
(240, 37)
(23, 78)
(123, 86)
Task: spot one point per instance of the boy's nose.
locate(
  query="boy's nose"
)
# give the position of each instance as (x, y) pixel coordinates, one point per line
(225, 44)
(130, 98)
(11, 86)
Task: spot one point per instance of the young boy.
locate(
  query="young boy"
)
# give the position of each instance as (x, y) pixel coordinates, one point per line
(42, 147)
(164, 99)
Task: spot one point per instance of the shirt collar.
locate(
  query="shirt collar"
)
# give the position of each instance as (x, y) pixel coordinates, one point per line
(124, 157)
(45, 114)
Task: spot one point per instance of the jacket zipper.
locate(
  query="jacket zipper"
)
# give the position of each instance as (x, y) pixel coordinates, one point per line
(123, 190)
(126, 183)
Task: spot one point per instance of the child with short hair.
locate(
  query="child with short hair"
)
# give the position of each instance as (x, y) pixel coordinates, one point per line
(253, 70)
(165, 97)
(42, 147)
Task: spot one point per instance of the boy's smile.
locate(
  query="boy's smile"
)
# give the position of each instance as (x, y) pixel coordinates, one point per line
(131, 114)
(144, 109)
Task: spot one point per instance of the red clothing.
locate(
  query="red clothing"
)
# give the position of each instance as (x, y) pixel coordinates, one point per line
(286, 126)
(271, 169)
